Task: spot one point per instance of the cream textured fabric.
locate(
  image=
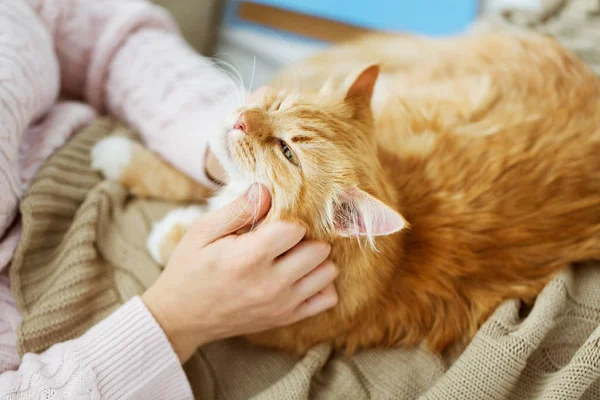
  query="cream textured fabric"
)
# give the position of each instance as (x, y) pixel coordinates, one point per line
(575, 23)
(83, 254)
(67, 216)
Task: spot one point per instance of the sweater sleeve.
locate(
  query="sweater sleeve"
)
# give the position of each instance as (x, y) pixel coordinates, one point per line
(125, 356)
(176, 98)
(127, 57)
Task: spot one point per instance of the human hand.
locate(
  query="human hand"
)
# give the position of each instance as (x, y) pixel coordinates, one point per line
(218, 285)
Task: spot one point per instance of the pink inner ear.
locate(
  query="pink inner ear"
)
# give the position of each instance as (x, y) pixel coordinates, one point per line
(387, 222)
(360, 214)
(364, 83)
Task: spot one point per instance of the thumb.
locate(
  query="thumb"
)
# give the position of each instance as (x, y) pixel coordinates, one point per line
(242, 212)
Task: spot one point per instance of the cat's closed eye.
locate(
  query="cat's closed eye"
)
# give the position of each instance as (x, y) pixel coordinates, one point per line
(287, 152)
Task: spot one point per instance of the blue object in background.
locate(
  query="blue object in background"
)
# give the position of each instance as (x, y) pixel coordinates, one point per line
(427, 17)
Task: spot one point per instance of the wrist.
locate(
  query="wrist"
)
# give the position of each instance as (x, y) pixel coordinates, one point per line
(183, 338)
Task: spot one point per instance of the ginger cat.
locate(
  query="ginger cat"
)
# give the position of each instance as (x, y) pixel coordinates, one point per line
(452, 175)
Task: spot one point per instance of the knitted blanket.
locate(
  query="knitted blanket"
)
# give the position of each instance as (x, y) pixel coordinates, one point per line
(82, 254)
(574, 23)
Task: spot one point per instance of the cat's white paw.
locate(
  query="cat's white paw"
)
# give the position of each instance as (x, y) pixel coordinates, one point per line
(167, 233)
(111, 155)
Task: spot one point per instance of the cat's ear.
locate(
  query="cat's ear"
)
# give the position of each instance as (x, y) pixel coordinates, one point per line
(357, 213)
(361, 90)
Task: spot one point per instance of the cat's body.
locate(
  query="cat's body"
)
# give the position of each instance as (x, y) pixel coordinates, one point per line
(488, 147)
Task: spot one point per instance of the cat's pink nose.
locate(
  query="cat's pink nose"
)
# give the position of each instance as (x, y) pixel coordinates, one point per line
(241, 124)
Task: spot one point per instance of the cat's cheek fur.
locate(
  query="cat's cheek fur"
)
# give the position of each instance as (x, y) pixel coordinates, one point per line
(111, 156)
(168, 232)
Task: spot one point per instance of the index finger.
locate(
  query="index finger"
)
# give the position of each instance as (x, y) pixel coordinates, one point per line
(243, 211)
(278, 236)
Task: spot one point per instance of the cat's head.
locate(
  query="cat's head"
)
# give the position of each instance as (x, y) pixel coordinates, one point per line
(316, 153)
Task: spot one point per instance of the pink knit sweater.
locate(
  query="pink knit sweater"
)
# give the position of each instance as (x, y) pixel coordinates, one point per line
(123, 57)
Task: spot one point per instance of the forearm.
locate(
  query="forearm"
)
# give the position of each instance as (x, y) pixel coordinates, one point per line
(176, 98)
(127, 58)
(125, 356)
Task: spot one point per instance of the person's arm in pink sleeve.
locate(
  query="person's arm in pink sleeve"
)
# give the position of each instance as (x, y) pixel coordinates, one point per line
(175, 97)
(128, 58)
(125, 356)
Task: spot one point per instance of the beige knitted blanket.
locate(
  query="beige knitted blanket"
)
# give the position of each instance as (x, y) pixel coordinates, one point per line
(575, 23)
(83, 254)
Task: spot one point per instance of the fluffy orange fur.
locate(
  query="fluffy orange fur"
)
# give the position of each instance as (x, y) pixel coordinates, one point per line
(488, 147)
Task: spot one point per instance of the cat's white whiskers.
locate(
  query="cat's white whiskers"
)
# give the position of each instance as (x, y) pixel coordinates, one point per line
(233, 97)
(253, 75)
(234, 72)
(298, 76)
(231, 73)
(284, 60)
(220, 184)
(228, 67)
